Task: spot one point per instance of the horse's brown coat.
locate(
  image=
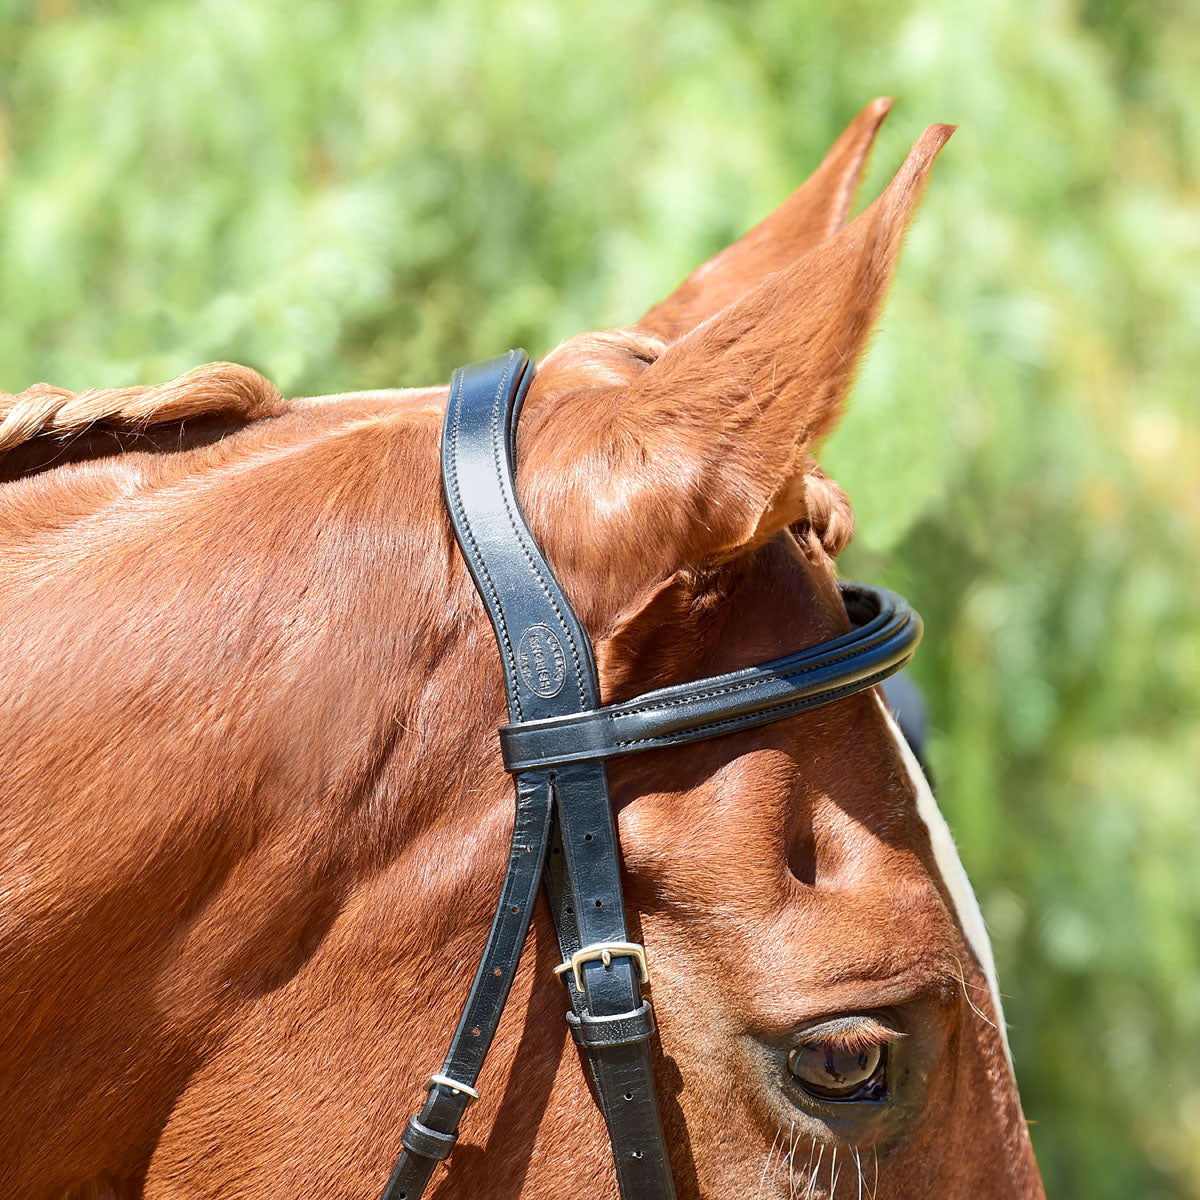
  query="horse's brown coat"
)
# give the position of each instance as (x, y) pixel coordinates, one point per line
(254, 819)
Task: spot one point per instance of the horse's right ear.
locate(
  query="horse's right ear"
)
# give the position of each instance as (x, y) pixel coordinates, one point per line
(816, 211)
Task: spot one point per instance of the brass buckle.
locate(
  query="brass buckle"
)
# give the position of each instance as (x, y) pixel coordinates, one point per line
(605, 952)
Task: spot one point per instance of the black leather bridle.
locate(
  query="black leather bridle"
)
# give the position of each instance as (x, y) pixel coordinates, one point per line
(555, 746)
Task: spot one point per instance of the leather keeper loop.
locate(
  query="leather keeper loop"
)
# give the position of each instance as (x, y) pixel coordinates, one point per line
(624, 1029)
(431, 1143)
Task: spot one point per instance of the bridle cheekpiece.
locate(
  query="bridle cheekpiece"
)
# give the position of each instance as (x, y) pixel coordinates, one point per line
(555, 746)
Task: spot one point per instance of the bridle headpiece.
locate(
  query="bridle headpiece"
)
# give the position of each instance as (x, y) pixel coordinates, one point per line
(555, 745)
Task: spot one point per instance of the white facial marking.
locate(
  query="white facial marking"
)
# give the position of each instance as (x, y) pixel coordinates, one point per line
(954, 875)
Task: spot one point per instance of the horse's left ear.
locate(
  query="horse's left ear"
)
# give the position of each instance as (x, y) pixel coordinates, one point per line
(642, 461)
(727, 416)
(814, 212)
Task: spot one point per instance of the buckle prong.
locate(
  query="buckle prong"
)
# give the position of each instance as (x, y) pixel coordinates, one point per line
(603, 952)
(463, 1089)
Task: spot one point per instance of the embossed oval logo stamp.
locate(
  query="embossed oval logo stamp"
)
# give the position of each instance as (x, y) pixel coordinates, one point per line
(542, 661)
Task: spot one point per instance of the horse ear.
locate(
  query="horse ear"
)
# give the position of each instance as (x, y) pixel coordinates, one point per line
(671, 457)
(813, 213)
(729, 413)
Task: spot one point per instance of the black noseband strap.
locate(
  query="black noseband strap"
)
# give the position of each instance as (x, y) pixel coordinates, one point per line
(555, 746)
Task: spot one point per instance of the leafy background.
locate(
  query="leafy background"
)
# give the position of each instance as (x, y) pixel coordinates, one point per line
(367, 194)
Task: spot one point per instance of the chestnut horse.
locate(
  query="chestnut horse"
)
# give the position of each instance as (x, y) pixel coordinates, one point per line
(255, 819)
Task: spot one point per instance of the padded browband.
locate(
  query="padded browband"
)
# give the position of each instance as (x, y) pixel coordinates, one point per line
(885, 639)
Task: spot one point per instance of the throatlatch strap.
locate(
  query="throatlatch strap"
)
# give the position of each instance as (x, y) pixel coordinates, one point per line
(548, 671)
(430, 1136)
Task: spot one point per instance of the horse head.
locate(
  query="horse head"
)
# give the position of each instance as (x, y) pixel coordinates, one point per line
(796, 886)
(262, 818)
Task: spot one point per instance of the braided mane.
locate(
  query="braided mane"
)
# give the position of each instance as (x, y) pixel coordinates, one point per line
(216, 389)
(828, 523)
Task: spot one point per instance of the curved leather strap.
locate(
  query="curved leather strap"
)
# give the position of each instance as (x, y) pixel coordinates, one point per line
(547, 657)
(722, 704)
(556, 745)
(548, 671)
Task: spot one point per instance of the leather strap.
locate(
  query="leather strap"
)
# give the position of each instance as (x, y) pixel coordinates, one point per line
(421, 1139)
(620, 1065)
(723, 704)
(445, 1104)
(555, 745)
(548, 671)
(624, 1029)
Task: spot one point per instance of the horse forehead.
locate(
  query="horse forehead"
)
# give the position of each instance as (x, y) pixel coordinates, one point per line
(770, 828)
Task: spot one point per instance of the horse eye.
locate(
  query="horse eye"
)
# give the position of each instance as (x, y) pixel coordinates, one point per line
(831, 1071)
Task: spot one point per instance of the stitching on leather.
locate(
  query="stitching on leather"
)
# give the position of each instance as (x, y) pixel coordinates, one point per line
(518, 530)
(681, 736)
(510, 660)
(757, 682)
(594, 716)
(532, 824)
(806, 702)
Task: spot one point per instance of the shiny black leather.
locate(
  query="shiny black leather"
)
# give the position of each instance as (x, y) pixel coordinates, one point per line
(548, 670)
(555, 746)
(444, 1106)
(882, 643)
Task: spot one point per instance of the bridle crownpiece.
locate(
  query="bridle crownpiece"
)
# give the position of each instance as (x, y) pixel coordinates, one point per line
(555, 746)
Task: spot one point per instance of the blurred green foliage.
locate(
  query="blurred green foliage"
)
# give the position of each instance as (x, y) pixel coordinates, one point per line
(367, 194)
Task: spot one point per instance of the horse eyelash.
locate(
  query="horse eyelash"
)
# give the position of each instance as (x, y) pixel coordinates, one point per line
(851, 1035)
